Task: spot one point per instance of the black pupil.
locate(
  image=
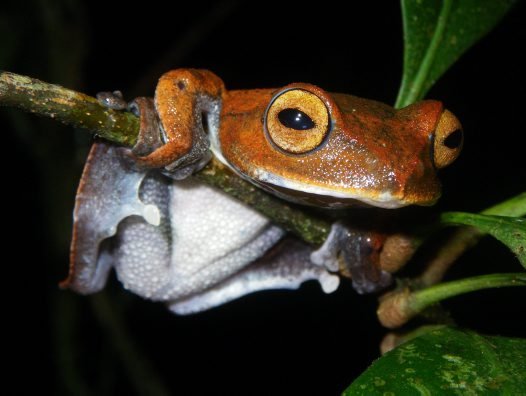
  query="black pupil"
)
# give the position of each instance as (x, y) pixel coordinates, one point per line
(454, 139)
(295, 119)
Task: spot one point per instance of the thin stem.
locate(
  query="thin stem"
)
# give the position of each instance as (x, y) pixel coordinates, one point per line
(399, 307)
(423, 298)
(416, 90)
(459, 241)
(70, 107)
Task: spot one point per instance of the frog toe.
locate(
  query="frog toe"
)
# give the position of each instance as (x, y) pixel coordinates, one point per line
(355, 254)
(364, 283)
(112, 100)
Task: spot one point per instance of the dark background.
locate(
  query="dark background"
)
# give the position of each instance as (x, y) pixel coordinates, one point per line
(277, 342)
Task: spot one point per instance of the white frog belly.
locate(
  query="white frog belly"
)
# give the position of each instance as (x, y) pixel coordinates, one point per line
(204, 237)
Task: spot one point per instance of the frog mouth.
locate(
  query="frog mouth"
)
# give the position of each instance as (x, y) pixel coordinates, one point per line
(314, 195)
(311, 194)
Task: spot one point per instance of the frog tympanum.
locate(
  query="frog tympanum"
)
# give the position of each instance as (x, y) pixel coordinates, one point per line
(173, 239)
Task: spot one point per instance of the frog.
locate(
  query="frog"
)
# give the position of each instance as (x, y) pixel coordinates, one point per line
(173, 239)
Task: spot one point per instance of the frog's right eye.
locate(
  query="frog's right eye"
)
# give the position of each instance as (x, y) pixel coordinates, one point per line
(297, 121)
(448, 140)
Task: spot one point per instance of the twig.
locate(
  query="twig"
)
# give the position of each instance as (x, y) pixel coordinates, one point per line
(399, 306)
(70, 107)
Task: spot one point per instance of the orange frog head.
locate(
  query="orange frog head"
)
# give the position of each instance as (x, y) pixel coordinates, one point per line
(335, 150)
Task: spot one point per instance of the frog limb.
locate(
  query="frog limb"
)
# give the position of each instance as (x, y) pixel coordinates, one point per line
(286, 266)
(353, 253)
(107, 197)
(182, 98)
(174, 128)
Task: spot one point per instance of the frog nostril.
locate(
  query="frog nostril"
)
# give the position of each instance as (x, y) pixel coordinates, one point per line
(295, 119)
(454, 140)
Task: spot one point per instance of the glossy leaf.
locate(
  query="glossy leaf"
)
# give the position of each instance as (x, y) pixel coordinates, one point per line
(509, 230)
(514, 207)
(436, 34)
(448, 361)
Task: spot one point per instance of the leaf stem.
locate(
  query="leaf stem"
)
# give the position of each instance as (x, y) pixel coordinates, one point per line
(415, 91)
(466, 237)
(399, 307)
(424, 298)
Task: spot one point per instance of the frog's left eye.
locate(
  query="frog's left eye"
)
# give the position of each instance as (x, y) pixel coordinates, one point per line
(297, 121)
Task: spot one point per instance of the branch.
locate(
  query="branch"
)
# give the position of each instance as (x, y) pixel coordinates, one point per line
(83, 111)
(70, 107)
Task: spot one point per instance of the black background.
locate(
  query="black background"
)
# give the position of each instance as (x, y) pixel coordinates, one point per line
(276, 342)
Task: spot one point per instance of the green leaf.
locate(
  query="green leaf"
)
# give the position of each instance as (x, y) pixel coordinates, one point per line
(509, 230)
(448, 361)
(514, 207)
(436, 34)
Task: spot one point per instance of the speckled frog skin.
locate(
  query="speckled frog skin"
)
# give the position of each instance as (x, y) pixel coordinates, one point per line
(173, 239)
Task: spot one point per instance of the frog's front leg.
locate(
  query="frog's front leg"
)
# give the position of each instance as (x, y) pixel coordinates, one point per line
(188, 103)
(175, 126)
(354, 253)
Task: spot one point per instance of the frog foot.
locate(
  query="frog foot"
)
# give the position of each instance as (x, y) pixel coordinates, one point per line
(151, 138)
(355, 254)
(112, 100)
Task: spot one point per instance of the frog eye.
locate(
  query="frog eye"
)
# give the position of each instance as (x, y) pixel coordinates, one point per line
(297, 121)
(448, 140)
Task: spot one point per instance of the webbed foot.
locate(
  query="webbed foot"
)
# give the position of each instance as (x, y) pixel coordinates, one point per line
(356, 254)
